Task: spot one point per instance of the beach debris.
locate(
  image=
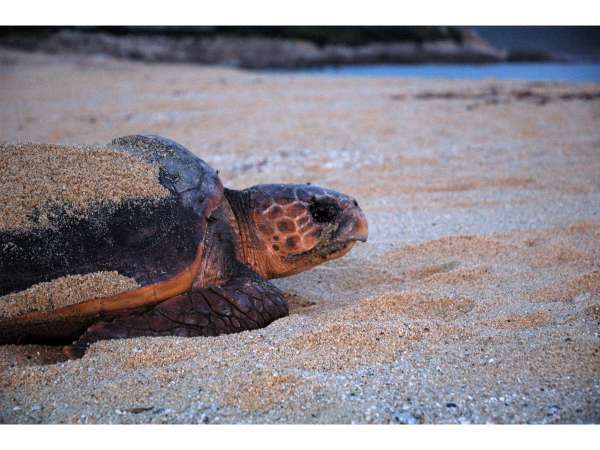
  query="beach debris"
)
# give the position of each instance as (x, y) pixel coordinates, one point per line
(408, 418)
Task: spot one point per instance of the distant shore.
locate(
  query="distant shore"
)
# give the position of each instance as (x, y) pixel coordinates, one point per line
(269, 47)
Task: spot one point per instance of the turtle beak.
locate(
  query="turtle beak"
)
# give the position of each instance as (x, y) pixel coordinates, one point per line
(353, 226)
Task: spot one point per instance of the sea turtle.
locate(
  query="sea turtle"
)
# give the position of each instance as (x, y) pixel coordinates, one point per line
(196, 255)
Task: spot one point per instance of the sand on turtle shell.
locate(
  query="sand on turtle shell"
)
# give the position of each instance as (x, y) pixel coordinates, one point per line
(38, 177)
(64, 291)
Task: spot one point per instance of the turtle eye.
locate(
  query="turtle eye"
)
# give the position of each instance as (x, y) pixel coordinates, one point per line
(323, 211)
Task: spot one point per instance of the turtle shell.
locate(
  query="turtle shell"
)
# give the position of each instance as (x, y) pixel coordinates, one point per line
(86, 231)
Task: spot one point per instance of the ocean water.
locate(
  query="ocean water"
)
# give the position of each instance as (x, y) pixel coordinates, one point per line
(572, 72)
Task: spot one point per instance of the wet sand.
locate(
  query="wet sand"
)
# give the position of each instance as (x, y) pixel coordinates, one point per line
(476, 299)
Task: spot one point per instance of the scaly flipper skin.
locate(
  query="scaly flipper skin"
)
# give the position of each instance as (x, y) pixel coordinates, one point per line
(247, 302)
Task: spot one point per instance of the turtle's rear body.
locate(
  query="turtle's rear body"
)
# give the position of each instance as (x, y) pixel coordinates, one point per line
(148, 234)
(150, 230)
(184, 255)
(145, 239)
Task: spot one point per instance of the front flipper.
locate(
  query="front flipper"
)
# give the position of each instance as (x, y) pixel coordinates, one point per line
(247, 302)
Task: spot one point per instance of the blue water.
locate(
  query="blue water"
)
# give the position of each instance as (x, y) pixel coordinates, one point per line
(575, 73)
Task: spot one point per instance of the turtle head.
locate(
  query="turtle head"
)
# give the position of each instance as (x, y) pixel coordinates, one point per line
(296, 227)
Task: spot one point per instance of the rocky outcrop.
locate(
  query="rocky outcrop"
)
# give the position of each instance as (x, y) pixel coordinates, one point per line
(259, 52)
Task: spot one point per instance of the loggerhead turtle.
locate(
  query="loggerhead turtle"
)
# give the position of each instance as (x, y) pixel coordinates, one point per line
(197, 257)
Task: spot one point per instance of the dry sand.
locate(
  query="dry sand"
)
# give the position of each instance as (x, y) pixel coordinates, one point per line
(64, 291)
(476, 299)
(34, 178)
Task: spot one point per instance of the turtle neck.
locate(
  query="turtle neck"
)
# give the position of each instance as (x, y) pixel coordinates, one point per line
(248, 246)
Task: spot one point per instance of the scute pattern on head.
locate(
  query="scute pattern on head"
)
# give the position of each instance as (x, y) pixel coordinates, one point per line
(284, 216)
(287, 229)
(289, 215)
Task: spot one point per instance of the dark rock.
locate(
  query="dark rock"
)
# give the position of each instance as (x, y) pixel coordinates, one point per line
(408, 418)
(532, 56)
(263, 47)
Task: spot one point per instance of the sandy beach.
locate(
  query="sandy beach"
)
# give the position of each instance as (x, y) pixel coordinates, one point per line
(475, 300)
